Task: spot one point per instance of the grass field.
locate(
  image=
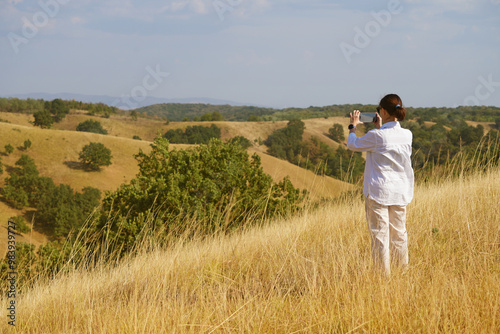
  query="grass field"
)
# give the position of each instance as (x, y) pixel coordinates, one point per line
(307, 274)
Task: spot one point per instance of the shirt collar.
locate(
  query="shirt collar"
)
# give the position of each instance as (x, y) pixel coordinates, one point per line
(388, 125)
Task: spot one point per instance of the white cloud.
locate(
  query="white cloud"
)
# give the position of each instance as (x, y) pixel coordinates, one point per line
(77, 20)
(198, 6)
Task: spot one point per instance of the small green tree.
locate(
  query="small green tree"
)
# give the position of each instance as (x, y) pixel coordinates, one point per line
(21, 225)
(242, 141)
(133, 115)
(91, 126)
(27, 144)
(43, 119)
(58, 108)
(336, 133)
(253, 118)
(95, 155)
(216, 116)
(23, 183)
(9, 148)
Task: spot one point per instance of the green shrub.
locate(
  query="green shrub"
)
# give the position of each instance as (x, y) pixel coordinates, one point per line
(91, 126)
(196, 134)
(21, 225)
(26, 144)
(242, 141)
(9, 148)
(203, 183)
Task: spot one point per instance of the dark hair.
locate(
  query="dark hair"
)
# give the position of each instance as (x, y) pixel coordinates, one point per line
(394, 106)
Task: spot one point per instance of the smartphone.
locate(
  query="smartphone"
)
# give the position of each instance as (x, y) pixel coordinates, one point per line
(368, 117)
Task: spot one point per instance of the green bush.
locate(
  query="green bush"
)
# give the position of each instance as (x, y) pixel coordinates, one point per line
(242, 141)
(26, 144)
(91, 126)
(196, 134)
(21, 225)
(9, 148)
(203, 183)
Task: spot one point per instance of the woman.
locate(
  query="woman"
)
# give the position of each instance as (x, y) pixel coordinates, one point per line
(388, 180)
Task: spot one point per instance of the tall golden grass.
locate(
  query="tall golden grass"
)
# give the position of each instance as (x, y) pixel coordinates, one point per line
(306, 274)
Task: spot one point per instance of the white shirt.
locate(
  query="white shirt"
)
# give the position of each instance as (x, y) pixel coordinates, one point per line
(388, 171)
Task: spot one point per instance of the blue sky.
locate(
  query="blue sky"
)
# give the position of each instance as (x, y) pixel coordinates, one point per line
(277, 53)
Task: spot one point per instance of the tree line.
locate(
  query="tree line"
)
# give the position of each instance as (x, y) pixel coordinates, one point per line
(31, 106)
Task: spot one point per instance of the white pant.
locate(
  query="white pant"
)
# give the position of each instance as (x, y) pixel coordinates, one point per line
(387, 225)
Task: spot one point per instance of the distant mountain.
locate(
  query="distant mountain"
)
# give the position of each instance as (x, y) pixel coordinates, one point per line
(122, 103)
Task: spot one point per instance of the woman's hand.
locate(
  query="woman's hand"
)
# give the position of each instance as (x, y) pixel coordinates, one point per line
(378, 123)
(355, 117)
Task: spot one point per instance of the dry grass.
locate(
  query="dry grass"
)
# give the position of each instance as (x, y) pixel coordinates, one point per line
(305, 274)
(318, 186)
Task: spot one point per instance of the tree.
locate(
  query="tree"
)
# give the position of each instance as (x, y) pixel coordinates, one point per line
(63, 210)
(286, 143)
(196, 134)
(27, 144)
(21, 225)
(23, 183)
(216, 116)
(95, 155)
(253, 118)
(91, 126)
(9, 148)
(242, 141)
(58, 108)
(43, 119)
(336, 133)
(133, 115)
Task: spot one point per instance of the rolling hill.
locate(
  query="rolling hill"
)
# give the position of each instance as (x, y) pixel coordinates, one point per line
(56, 150)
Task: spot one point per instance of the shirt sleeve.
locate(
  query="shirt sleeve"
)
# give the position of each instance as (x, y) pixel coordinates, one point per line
(362, 144)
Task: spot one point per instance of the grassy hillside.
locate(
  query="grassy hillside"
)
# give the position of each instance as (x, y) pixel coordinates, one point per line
(308, 274)
(56, 150)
